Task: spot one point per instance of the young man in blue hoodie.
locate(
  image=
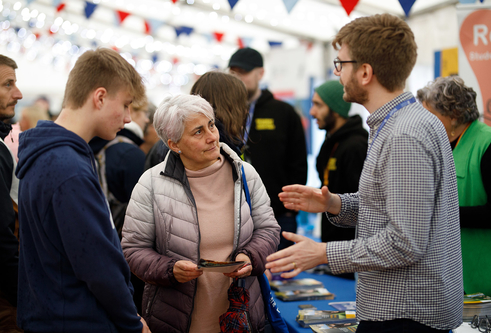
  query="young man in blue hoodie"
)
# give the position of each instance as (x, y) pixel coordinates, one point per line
(72, 273)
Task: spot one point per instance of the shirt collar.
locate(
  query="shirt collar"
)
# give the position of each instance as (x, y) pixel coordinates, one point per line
(375, 119)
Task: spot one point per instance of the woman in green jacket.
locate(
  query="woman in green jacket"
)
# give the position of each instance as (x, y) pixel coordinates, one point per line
(455, 105)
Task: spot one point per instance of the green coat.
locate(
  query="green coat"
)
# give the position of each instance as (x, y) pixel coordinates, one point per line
(476, 243)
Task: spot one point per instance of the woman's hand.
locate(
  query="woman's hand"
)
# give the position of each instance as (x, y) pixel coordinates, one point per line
(245, 270)
(185, 271)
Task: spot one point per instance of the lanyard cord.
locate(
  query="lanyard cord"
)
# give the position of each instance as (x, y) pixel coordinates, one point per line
(461, 135)
(387, 117)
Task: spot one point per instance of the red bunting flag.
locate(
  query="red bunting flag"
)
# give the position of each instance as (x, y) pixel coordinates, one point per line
(122, 15)
(147, 27)
(218, 36)
(349, 5)
(240, 43)
(174, 1)
(60, 7)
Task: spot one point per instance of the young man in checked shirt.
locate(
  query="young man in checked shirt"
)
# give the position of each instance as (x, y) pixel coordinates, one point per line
(407, 250)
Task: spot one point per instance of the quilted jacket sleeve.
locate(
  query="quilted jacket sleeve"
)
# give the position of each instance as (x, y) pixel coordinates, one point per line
(139, 237)
(266, 234)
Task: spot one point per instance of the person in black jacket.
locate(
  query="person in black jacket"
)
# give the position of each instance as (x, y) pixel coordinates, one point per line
(275, 139)
(343, 152)
(9, 245)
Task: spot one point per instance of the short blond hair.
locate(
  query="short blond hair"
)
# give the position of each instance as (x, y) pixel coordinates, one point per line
(101, 68)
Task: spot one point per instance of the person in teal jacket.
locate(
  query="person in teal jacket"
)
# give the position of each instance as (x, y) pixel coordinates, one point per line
(455, 105)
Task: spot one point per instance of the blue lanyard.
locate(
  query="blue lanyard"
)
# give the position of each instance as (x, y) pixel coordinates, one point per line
(249, 120)
(396, 108)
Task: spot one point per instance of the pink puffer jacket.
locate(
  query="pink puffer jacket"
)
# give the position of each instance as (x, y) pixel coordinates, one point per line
(161, 227)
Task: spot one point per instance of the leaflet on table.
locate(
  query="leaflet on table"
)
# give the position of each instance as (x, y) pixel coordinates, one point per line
(476, 298)
(296, 284)
(310, 317)
(343, 306)
(323, 328)
(304, 295)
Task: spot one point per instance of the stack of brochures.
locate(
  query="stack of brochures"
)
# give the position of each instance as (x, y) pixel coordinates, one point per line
(476, 304)
(309, 317)
(304, 294)
(296, 284)
(334, 328)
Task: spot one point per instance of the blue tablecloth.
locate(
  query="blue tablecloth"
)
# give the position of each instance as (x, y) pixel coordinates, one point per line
(344, 289)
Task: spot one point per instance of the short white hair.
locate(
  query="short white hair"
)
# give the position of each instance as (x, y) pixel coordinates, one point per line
(173, 112)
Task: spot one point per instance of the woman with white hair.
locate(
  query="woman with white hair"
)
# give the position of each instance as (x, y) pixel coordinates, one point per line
(193, 206)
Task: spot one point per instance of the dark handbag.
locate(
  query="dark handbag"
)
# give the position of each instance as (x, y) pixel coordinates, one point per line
(272, 311)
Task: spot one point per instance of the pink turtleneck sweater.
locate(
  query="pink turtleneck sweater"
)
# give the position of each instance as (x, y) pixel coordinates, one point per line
(213, 191)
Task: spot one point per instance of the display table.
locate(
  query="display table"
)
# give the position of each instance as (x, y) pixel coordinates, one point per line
(344, 289)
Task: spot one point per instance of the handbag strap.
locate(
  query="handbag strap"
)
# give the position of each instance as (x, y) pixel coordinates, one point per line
(246, 189)
(272, 311)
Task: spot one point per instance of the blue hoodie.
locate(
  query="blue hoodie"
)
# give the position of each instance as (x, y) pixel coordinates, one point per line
(72, 273)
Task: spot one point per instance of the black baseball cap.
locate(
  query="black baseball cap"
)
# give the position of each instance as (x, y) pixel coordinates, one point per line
(246, 58)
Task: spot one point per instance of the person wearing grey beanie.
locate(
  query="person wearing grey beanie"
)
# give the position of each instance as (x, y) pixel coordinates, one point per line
(343, 152)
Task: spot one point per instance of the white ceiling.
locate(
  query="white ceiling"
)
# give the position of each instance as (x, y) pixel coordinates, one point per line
(259, 20)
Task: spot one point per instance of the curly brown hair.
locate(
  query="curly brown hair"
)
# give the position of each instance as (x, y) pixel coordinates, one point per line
(452, 98)
(385, 42)
(228, 96)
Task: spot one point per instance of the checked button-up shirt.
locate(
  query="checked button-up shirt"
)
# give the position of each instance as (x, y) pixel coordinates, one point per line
(407, 250)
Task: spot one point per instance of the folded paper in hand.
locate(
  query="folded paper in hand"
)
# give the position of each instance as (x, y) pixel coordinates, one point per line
(220, 266)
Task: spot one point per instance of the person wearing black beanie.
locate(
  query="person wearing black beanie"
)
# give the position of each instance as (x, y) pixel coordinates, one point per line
(343, 152)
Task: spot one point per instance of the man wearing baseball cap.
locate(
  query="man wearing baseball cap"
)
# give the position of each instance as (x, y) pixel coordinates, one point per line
(275, 139)
(343, 152)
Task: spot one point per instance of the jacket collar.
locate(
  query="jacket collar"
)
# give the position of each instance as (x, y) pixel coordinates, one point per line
(4, 129)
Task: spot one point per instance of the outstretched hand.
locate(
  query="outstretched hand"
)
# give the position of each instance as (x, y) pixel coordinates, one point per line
(310, 199)
(305, 254)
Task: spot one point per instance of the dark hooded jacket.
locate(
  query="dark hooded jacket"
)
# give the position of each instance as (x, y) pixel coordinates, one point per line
(344, 153)
(9, 255)
(124, 163)
(276, 147)
(72, 273)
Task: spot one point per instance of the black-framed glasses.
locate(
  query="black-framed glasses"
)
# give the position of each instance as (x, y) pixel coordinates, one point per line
(481, 323)
(338, 64)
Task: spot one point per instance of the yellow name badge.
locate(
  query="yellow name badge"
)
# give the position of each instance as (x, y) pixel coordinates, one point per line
(265, 124)
(331, 165)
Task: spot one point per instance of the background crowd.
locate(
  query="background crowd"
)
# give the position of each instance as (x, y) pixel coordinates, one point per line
(115, 200)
